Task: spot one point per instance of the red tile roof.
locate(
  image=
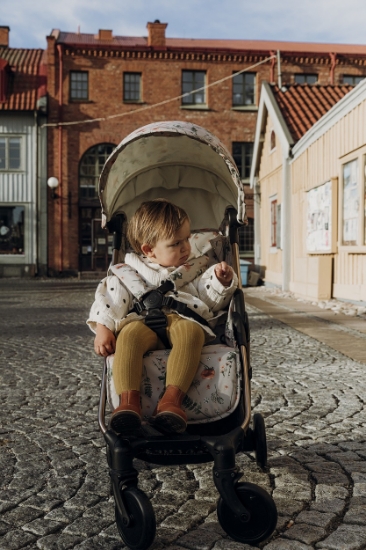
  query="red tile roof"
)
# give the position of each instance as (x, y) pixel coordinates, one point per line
(304, 104)
(25, 78)
(71, 38)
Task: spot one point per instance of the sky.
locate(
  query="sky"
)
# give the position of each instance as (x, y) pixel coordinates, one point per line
(329, 21)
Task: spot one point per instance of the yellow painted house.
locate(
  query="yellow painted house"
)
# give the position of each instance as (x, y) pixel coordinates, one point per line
(308, 176)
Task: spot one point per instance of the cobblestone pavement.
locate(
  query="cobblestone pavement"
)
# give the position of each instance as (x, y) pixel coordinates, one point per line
(54, 484)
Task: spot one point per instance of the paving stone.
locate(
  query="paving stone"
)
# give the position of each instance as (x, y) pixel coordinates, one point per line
(52, 455)
(308, 534)
(199, 539)
(346, 537)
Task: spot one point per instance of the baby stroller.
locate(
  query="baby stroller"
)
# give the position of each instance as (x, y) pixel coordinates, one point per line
(187, 165)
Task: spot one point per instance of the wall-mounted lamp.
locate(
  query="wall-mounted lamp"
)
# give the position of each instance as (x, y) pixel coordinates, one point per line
(53, 184)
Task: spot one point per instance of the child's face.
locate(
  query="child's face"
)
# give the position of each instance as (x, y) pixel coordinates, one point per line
(171, 252)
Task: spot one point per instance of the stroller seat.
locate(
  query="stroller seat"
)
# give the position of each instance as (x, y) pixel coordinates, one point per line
(213, 395)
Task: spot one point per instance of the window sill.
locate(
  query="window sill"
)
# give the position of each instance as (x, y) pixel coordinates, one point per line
(195, 107)
(245, 108)
(353, 249)
(133, 102)
(80, 100)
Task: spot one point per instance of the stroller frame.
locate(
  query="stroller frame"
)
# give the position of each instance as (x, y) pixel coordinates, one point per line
(245, 511)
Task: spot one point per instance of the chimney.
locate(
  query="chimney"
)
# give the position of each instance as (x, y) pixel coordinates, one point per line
(104, 34)
(156, 36)
(4, 36)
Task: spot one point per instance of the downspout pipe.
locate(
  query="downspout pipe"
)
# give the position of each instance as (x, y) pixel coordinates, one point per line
(60, 102)
(333, 59)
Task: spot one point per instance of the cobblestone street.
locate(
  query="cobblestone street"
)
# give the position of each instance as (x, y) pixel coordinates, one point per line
(54, 490)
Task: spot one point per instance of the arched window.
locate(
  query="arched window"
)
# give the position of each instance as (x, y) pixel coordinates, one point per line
(90, 167)
(273, 140)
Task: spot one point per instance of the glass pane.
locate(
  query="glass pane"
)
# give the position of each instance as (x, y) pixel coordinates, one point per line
(78, 85)
(12, 230)
(2, 154)
(90, 168)
(350, 203)
(14, 153)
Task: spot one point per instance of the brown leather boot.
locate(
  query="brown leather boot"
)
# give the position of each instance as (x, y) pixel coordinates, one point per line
(126, 418)
(170, 417)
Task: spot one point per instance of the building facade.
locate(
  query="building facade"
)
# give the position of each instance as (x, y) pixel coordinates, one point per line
(23, 161)
(102, 87)
(311, 181)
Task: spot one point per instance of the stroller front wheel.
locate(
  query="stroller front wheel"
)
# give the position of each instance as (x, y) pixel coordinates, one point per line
(262, 515)
(140, 532)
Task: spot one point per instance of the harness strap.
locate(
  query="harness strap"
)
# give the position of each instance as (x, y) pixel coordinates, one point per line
(156, 320)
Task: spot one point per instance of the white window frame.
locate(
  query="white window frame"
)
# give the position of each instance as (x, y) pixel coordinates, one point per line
(7, 137)
(273, 204)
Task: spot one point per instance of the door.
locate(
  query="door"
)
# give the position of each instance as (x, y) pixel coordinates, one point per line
(95, 242)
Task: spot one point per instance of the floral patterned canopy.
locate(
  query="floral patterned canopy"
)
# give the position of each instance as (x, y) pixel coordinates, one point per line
(179, 161)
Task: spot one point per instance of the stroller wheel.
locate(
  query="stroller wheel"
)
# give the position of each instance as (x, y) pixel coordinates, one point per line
(140, 533)
(260, 440)
(262, 510)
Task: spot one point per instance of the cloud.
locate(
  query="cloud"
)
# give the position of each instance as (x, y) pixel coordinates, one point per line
(309, 20)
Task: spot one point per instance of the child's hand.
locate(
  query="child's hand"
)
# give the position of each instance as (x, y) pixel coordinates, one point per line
(105, 341)
(224, 273)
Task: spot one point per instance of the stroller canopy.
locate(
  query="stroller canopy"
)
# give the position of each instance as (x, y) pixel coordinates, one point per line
(179, 161)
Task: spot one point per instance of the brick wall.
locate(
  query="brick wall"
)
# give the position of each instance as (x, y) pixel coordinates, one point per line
(161, 80)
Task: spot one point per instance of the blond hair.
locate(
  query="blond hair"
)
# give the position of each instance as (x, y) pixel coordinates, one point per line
(154, 220)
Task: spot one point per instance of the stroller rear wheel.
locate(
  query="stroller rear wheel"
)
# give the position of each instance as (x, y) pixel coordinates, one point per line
(140, 532)
(262, 510)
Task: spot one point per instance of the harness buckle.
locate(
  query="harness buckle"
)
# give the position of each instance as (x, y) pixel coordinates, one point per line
(156, 319)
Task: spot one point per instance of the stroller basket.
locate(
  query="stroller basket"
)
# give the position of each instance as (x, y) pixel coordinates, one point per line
(189, 166)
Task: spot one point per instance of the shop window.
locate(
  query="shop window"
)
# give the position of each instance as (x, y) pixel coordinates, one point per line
(90, 167)
(242, 155)
(274, 212)
(193, 80)
(352, 79)
(244, 89)
(10, 153)
(12, 230)
(306, 78)
(79, 86)
(351, 203)
(132, 87)
(246, 238)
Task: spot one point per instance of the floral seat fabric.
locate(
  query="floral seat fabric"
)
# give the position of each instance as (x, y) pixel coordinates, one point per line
(213, 395)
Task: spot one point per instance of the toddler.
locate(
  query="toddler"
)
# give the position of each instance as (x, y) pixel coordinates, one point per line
(159, 233)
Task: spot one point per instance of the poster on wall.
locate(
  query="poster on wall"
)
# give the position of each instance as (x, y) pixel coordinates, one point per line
(350, 203)
(319, 223)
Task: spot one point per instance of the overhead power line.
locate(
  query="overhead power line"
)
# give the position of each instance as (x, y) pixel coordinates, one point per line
(148, 107)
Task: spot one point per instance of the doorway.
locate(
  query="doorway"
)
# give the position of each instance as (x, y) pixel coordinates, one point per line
(95, 242)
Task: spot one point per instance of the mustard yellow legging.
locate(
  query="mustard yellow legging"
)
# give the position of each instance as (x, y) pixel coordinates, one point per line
(135, 339)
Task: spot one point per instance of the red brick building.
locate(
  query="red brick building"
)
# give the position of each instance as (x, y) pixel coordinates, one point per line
(118, 83)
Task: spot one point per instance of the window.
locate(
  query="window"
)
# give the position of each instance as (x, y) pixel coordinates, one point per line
(306, 78)
(278, 226)
(10, 153)
(246, 238)
(193, 80)
(273, 205)
(350, 203)
(244, 89)
(90, 168)
(12, 230)
(242, 154)
(272, 139)
(132, 87)
(79, 85)
(352, 79)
